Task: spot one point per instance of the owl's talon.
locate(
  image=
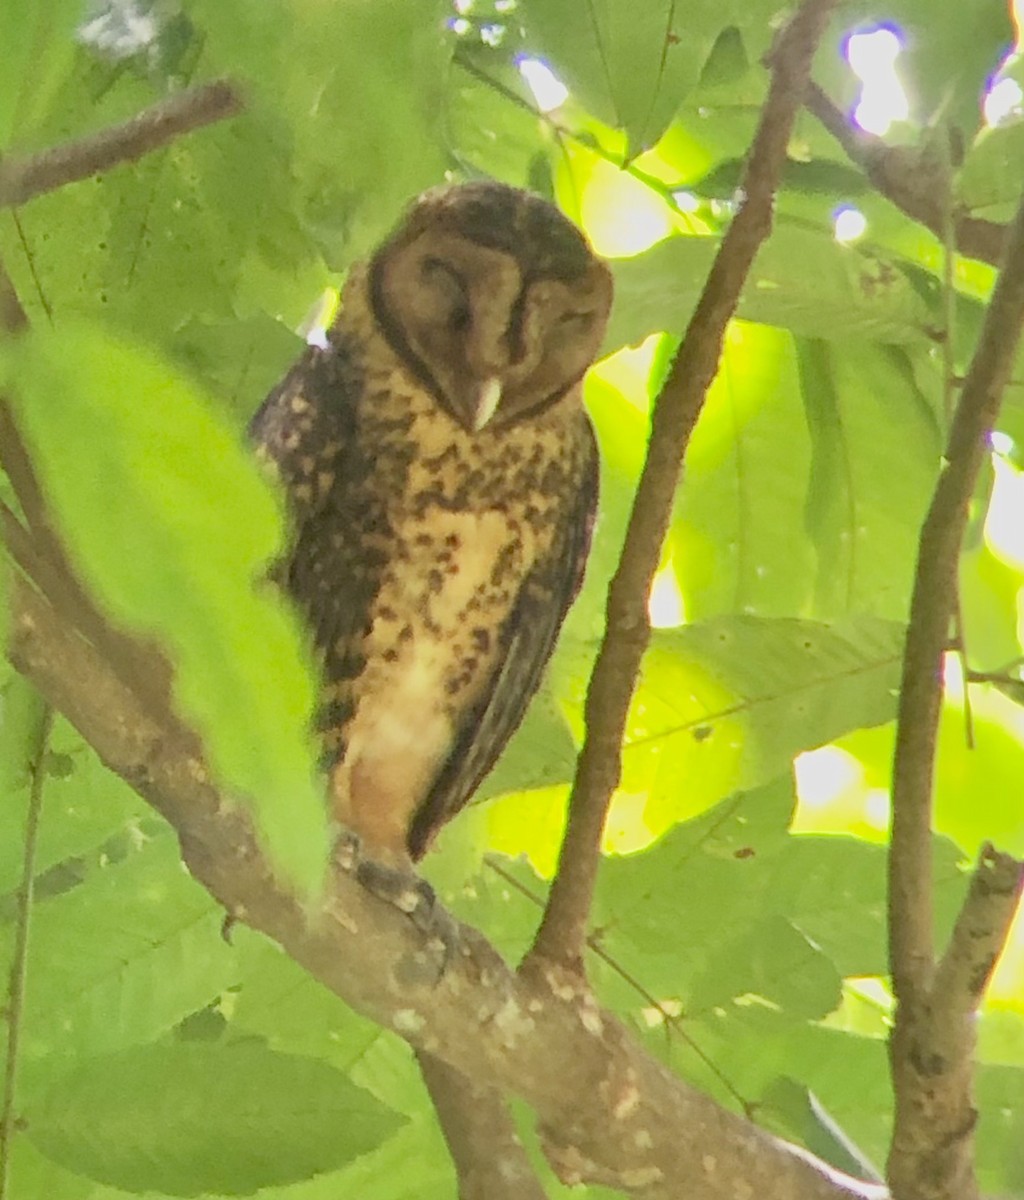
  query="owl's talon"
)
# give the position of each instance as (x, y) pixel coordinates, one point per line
(417, 899)
(347, 851)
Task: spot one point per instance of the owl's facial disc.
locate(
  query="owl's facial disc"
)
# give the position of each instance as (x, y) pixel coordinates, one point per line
(491, 337)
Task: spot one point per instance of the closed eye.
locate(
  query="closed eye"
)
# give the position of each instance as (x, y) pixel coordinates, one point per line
(576, 322)
(447, 280)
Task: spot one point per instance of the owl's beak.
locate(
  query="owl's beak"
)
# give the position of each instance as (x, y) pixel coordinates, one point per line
(487, 400)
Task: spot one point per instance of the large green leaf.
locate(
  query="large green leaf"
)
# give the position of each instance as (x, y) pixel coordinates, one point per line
(633, 64)
(38, 48)
(869, 490)
(118, 959)
(630, 65)
(802, 280)
(727, 703)
(351, 175)
(191, 1118)
(735, 539)
(682, 916)
(172, 527)
(84, 804)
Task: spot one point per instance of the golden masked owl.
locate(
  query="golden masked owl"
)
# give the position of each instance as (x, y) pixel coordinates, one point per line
(441, 477)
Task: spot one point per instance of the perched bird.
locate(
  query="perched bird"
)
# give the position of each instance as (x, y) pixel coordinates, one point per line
(441, 477)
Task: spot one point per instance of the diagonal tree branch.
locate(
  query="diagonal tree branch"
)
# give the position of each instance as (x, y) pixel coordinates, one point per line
(932, 1042)
(23, 178)
(562, 932)
(490, 1160)
(609, 1112)
(900, 174)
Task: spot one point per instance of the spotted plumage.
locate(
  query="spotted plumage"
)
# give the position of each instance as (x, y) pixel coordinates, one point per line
(441, 476)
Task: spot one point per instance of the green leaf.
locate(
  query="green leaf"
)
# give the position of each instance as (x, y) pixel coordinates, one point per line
(727, 703)
(172, 527)
(803, 895)
(118, 959)
(191, 1118)
(947, 61)
(867, 494)
(736, 539)
(22, 715)
(84, 805)
(802, 280)
(630, 64)
(351, 175)
(38, 47)
(770, 959)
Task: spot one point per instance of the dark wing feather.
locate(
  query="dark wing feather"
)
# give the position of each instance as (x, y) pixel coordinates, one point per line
(305, 430)
(529, 634)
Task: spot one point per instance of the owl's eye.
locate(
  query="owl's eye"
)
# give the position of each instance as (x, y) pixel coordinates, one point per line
(576, 322)
(446, 279)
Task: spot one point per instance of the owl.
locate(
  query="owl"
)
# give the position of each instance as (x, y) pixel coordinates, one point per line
(440, 475)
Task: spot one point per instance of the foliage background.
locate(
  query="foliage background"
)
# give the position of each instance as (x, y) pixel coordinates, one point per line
(740, 920)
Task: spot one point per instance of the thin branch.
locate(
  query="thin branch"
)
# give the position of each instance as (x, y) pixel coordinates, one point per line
(490, 1159)
(19, 957)
(901, 174)
(934, 594)
(978, 938)
(934, 1113)
(23, 178)
(562, 932)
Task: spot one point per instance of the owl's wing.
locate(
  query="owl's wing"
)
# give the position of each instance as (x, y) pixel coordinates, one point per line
(303, 426)
(304, 431)
(529, 634)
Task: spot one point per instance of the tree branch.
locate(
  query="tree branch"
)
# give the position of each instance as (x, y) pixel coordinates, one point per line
(932, 1080)
(609, 1112)
(23, 178)
(900, 174)
(562, 931)
(489, 1157)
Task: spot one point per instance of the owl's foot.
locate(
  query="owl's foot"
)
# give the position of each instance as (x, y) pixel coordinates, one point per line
(402, 889)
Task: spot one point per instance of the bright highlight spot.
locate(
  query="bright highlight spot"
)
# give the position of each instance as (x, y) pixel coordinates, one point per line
(548, 91)
(823, 775)
(1004, 529)
(318, 319)
(1003, 101)
(621, 214)
(848, 224)
(665, 603)
(1000, 442)
(876, 808)
(687, 201)
(872, 57)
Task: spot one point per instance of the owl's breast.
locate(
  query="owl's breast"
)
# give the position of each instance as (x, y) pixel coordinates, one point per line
(441, 529)
(433, 640)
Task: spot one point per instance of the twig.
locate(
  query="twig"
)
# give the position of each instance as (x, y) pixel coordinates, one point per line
(932, 1126)
(23, 178)
(19, 958)
(897, 172)
(978, 938)
(562, 932)
(490, 1159)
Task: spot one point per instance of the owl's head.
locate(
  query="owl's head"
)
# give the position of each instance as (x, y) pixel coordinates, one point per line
(492, 298)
